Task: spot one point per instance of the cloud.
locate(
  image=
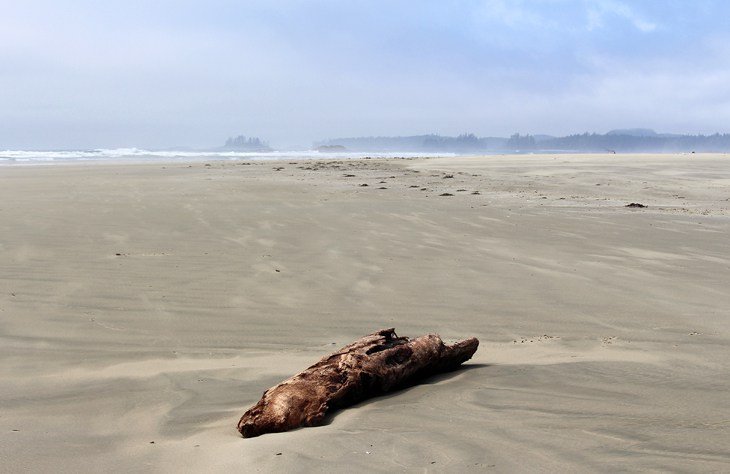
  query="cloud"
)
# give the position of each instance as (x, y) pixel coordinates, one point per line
(190, 73)
(598, 10)
(512, 13)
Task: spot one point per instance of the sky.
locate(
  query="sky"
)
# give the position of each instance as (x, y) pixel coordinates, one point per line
(162, 73)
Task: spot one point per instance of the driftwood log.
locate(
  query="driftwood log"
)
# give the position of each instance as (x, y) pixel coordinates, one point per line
(370, 366)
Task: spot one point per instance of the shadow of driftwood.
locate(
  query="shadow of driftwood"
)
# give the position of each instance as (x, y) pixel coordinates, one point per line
(430, 380)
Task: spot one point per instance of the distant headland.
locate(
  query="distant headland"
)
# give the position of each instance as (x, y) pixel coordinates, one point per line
(620, 140)
(625, 140)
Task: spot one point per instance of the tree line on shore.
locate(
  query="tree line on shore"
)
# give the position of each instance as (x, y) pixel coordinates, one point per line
(632, 140)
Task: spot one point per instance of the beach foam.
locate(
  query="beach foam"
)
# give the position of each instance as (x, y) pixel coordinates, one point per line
(135, 155)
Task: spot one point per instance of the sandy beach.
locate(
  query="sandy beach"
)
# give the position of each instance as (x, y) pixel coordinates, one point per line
(144, 308)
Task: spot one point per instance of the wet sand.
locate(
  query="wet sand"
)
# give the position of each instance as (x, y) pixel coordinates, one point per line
(143, 308)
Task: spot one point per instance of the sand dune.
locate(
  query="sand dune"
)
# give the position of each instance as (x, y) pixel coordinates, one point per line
(143, 308)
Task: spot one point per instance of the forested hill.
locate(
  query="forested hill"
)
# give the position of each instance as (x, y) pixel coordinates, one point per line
(632, 143)
(628, 140)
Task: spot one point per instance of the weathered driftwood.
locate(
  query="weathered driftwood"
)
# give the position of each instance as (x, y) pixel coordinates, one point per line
(369, 366)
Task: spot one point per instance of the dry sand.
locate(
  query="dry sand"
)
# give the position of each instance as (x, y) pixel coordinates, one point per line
(143, 308)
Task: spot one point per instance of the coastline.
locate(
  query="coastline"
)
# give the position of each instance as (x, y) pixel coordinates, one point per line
(155, 302)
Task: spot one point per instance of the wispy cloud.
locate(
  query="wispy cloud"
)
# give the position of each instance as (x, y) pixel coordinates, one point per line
(598, 10)
(512, 13)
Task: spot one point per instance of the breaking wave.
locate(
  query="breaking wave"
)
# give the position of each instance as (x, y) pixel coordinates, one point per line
(136, 155)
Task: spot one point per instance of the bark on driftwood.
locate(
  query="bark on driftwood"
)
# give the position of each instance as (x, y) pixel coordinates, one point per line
(370, 366)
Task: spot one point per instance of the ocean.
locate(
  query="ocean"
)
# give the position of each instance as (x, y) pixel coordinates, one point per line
(136, 155)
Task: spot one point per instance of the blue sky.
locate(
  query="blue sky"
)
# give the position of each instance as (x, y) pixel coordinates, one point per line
(157, 73)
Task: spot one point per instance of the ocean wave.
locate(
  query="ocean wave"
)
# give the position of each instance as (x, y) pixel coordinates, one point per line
(142, 155)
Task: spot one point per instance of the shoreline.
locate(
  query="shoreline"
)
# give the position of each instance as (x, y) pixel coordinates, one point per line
(302, 156)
